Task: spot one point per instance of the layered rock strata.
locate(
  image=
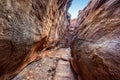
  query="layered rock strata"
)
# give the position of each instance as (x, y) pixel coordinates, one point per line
(26, 28)
(96, 45)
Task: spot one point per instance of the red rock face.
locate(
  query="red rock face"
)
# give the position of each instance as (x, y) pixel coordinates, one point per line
(26, 27)
(72, 25)
(73, 22)
(96, 47)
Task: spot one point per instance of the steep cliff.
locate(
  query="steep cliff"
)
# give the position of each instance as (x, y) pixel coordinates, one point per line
(26, 28)
(96, 45)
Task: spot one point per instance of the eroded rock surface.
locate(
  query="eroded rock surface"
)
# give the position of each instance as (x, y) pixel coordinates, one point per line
(54, 65)
(26, 27)
(96, 46)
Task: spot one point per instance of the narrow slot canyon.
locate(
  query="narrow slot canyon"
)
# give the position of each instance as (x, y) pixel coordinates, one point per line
(50, 40)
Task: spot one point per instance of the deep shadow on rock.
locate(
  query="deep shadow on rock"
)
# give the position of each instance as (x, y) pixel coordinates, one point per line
(96, 45)
(26, 27)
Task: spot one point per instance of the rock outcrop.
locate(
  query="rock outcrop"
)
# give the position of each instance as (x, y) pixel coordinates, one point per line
(26, 28)
(96, 45)
(72, 25)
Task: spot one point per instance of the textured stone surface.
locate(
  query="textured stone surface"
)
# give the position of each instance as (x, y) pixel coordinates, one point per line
(96, 46)
(54, 65)
(73, 22)
(26, 27)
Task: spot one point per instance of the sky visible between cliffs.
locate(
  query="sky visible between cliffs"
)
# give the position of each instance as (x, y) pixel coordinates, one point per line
(76, 6)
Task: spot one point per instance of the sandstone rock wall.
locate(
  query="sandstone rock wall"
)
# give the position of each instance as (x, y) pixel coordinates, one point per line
(96, 45)
(26, 27)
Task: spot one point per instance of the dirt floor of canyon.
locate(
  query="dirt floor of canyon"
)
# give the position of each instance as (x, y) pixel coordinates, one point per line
(50, 65)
